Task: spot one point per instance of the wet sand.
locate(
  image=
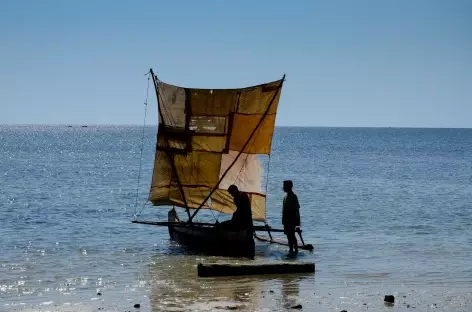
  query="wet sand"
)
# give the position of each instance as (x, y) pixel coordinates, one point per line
(171, 284)
(277, 298)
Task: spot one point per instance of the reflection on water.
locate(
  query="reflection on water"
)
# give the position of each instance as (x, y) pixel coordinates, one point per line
(290, 291)
(176, 287)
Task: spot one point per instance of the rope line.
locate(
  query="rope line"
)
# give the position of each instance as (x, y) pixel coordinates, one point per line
(141, 151)
(142, 208)
(245, 162)
(266, 187)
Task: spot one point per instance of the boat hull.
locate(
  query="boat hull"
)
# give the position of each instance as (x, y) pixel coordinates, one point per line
(212, 240)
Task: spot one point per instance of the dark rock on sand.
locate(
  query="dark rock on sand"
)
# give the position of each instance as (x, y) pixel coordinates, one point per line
(343, 311)
(299, 307)
(137, 305)
(99, 294)
(389, 299)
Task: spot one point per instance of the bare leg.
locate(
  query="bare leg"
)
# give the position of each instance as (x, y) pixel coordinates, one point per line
(290, 242)
(295, 243)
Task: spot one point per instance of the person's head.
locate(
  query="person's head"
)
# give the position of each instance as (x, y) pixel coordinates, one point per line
(288, 184)
(233, 190)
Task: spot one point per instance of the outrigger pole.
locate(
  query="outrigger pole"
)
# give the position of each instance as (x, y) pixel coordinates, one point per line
(259, 228)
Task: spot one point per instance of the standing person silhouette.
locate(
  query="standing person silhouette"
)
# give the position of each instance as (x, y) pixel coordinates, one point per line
(290, 215)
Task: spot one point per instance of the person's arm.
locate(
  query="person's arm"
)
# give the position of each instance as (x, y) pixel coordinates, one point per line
(297, 210)
(283, 212)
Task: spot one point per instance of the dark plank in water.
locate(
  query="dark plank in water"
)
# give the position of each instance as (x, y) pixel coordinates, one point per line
(206, 270)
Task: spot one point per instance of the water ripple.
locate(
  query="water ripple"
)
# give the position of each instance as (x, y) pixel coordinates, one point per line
(388, 211)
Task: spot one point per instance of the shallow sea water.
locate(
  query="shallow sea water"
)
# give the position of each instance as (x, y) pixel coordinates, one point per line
(387, 210)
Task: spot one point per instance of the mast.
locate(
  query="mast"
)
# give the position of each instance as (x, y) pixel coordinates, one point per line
(242, 150)
(170, 154)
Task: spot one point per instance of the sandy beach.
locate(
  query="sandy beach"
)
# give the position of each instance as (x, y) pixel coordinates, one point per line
(171, 284)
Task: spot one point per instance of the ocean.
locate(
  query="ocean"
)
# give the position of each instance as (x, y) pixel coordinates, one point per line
(388, 211)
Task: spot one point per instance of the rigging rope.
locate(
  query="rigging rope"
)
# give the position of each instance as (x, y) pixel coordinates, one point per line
(244, 165)
(141, 151)
(267, 186)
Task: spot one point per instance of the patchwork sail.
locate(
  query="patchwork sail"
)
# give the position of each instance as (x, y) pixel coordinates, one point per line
(209, 139)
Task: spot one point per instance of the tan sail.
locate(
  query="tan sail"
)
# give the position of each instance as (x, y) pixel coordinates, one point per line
(202, 133)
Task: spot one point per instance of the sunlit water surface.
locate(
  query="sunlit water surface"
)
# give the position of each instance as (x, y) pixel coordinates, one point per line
(388, 211)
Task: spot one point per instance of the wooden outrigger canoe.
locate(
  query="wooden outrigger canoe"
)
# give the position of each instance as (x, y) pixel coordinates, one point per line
(207, 140)
(206, 238)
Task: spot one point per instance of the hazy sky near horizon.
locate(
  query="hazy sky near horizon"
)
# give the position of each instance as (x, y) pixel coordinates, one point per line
(348, 63)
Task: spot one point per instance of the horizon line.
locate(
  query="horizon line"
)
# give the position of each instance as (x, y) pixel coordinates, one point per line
(277, 126)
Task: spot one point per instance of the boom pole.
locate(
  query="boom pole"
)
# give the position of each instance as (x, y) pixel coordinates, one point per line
(242, 150)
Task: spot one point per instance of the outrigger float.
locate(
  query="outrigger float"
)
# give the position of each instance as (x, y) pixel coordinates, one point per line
(208, 139)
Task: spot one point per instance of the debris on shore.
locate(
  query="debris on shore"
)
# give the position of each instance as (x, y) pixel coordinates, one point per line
(389, 299)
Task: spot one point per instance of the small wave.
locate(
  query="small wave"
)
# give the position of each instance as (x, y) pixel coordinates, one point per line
(366, 275)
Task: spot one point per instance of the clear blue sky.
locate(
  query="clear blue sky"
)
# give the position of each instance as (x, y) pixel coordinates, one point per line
(348, 63)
